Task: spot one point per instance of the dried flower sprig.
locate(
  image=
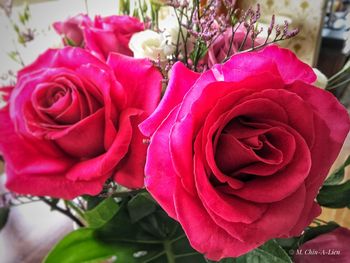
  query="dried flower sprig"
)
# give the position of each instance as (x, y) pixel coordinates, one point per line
(9, 199)
(200, 25)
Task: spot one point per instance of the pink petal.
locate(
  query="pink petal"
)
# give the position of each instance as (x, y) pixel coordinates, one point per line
(159, 169)
(180, 82)
(291, 68)
(84, 139)
(37, 167)
(142, 81)
(130, 170)
(213, 241)
(332, 124)
(106, 163)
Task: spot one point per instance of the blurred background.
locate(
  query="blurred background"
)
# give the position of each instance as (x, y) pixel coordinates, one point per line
(324, 43)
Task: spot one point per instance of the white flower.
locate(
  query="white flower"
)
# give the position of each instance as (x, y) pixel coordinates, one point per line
(322, 80)
(149, 44)
(171, 30)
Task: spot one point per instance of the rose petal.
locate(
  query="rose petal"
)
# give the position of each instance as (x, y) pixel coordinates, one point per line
(65, 57)
(227, 207)
(84, 139)
(140, 77)
(105, 164)
(277, 221)
(332, 123)
(213, 241)
(111, 34)
(266, 189)
(114, 98)
(159, 169)
(37, 167)
(177, 88)
(292, 69)
(294, 106)
(130, 171)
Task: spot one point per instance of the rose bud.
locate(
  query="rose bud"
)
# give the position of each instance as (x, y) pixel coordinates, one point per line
(72, 29)
(332, 247)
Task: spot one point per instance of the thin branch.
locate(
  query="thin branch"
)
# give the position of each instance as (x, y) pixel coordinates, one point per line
(63, 211)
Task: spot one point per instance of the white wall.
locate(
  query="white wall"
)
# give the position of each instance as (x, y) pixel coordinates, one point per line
(43, 15)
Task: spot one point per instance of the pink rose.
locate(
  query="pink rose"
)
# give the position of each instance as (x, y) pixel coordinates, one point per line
(72, 29)
(238, 154)
(71, 123)
(333, 247)
(111, 34)
(218, 51)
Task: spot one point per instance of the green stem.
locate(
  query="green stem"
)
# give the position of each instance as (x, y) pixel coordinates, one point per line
(177, 238)
(244, 41)
(320, 220)
(179, 19)
(86, 7)
(135, 241)
(339, 84)
(63, 211)
(153, 258)
(72, 205)
(126, 193)
(186, 255)
(141, 11)
(168, 252)
(338, 74)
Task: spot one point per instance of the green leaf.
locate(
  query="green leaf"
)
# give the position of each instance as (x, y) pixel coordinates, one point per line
(26, 12)
(120, 229)
(141, 206)
(292, 244)
(70, 42)
(4, 214)
(156, 229)
(21, 39)
(92, 201)
(124, 7)
(270, 252)
(127, 242)
(136, 14)
(13, 55)
(313, 232)
(335, 196)
(338, 175)
(82, 246)
(16, 28)
(199, 51)
(102, 213)
(22, 18)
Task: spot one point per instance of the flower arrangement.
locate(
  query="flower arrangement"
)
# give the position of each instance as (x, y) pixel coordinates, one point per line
(185, 139)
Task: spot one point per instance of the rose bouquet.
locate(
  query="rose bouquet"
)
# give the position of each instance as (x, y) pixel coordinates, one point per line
(185, 139)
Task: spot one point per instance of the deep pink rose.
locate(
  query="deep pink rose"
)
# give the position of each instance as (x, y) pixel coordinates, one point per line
(72, 29)
(71, 123)
(238, 154)
(218, 51)
(111, 34)
(333, 247)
